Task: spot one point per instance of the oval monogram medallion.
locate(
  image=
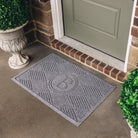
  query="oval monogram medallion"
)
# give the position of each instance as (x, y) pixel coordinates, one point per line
(64, 82)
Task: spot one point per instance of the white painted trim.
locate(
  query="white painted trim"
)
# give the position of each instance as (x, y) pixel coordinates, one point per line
(56, 8)
(130, 36)
(59, 35)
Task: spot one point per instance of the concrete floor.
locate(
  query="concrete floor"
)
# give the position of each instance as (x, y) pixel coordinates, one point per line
(23, 116)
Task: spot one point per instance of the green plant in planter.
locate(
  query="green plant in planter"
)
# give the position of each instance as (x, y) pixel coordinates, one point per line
(13, 13)
(129, 99)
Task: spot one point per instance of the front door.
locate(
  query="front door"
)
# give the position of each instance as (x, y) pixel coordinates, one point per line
(101, 24)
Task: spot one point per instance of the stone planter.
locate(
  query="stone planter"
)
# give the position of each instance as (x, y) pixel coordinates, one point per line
(13, 41)
(133, 133)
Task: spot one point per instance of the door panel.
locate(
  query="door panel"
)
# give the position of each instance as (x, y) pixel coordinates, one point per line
(107, 26)
(102, 24)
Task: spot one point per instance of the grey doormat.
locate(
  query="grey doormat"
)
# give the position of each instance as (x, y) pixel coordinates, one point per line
(66, 88)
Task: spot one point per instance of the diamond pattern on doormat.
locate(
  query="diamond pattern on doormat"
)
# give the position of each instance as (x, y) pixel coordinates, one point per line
(66, 88)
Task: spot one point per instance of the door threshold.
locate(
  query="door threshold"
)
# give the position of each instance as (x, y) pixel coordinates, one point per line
(103, 57)
(90, 61)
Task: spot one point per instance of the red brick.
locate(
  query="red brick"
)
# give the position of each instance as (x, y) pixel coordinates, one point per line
(78, 54)
(42, 4)
(108, 69)
(54, 43)
(72, 52)
(43, 38)
(101, 66)
(58, 45)
(95, 63)
(134, 31)
(136, 21)
(136, 12)
(121, 76)
(89, 60)
(68, 50)
(83, 58)
(42, 28)
(63, 47)
(42, 17)
(114, 73)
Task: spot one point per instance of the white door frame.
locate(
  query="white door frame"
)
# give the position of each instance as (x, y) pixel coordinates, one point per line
(57, 17)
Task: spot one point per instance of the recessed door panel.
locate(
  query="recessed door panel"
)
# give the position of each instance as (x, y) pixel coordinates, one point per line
(101, 24)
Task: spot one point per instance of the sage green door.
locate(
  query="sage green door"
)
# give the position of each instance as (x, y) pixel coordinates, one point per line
(101, 24)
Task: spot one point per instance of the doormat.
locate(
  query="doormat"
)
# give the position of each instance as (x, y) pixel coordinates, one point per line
(66, 88)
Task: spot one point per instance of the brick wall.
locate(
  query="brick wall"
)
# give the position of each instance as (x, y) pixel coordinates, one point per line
(40, 26)
(41, 12)
(133, 54)
(30, 29)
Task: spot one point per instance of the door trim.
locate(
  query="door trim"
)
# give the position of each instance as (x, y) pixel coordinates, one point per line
(57, 17)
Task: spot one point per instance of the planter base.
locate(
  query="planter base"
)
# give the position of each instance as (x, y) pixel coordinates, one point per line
(133, 133)
(18, 61)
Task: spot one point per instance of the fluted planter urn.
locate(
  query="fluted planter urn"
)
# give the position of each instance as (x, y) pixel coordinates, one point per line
(13, 41)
